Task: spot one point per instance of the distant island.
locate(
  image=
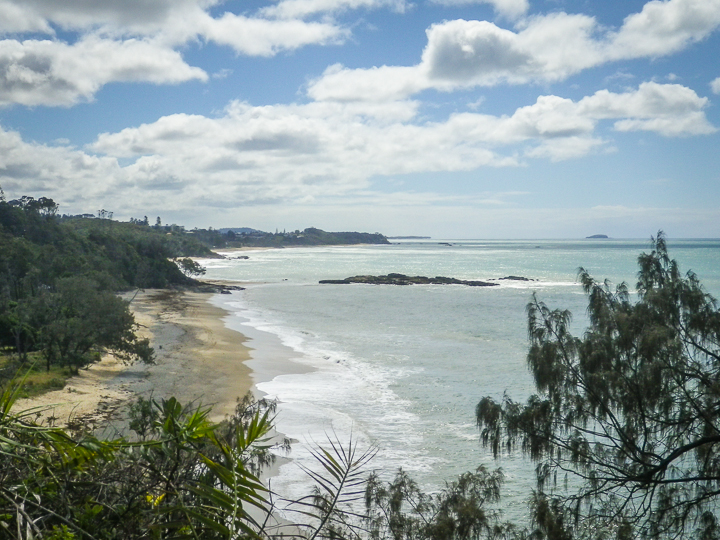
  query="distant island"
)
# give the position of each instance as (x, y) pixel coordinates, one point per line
(598, 236)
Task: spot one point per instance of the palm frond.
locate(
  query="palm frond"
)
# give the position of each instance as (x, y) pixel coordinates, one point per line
(340, 483)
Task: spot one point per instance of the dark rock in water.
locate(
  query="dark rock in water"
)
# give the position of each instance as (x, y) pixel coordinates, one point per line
(444, 244)
(216, 287)
(242, 257)
(517, 278)
(402, 279)
(598, 236)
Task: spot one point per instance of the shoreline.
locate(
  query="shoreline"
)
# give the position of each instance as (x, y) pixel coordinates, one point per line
(220, 251)
(198, 359)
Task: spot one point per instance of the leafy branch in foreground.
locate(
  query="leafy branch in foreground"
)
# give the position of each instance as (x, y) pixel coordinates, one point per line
(184, 478)
(629, 413)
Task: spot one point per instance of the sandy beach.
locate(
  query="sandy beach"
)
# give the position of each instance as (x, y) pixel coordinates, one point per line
(198, 359)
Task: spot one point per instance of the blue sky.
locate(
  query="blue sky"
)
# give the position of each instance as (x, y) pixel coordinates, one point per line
(448, 118)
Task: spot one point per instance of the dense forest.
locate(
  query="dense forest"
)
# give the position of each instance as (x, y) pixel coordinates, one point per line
(624, 426)
(59, 278)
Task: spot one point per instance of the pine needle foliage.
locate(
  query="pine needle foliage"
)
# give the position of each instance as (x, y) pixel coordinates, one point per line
(629, 413)
(464, 510)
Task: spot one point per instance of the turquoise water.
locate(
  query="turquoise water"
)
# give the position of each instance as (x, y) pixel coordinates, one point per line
(404, 367)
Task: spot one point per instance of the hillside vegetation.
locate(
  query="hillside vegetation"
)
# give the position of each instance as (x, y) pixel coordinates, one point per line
(59, 278)
(228, 238)
(309, 237)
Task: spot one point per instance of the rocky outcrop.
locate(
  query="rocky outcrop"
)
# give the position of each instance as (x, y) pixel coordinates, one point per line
(516, 278)
(402, 279)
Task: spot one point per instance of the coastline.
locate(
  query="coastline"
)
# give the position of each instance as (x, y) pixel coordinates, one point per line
(198, 359)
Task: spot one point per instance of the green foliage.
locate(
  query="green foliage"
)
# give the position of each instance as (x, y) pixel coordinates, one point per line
(190, 267)
(61, 532)
(76, 318)
(630, 410)
(58, 277)
(309, 237)
(185, 479)
(399, 510)
(37, 379)
(328, 511)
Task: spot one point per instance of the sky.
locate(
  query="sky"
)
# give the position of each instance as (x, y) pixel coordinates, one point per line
(442, 118)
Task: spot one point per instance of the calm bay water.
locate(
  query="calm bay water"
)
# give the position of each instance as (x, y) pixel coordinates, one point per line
(404, 367)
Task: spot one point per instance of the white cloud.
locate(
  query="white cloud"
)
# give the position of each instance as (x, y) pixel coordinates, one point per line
(547, 48)
(135, 16)
(27, 168)
(663, 28)
(565, 148)
(15, 17)
(715, 86)
(222, 74)
(262, 37)
(463, 53)
(667, 109)
(321, 149)
(512, 9)
(459, 54)
(172, 22)
(386, 83)
(133, 40)
(320, 152)
(290, 9)
(53, 73)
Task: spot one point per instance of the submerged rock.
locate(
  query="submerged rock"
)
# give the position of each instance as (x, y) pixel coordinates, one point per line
(402, 279)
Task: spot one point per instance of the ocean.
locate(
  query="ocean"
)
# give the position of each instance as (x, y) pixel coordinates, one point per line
(402, 368)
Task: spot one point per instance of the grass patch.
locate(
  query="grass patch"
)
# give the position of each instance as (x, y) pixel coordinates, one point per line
(38, 380)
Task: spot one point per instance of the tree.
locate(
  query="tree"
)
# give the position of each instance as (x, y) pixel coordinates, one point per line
(399, 510)
(629, 413)
(44, 205)
(77, 318)
(190, 267)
